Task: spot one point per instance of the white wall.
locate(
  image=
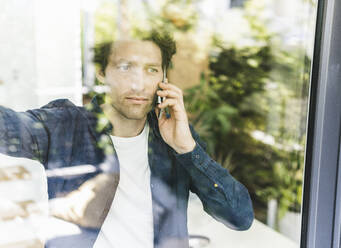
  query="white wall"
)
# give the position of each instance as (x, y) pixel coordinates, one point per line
(17, 49)
(40, 56)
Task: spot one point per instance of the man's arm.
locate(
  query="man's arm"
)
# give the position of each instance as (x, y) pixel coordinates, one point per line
(22, 134)
(223, 197)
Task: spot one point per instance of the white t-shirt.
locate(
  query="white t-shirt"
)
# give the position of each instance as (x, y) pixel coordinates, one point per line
(129, 222)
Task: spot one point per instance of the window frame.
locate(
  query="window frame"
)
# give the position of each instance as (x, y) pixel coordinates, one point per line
(321, 216)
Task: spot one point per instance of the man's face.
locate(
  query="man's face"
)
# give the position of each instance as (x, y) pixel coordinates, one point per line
(134, 71)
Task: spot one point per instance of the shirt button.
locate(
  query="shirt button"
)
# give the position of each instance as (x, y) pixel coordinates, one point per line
(196, 155)
(215, 185)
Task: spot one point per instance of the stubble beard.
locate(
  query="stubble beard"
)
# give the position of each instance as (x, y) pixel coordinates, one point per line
(132, 112)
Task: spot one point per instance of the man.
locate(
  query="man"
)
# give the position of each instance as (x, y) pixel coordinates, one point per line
(144, 167)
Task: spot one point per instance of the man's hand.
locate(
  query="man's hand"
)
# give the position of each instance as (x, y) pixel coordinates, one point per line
(174, 130)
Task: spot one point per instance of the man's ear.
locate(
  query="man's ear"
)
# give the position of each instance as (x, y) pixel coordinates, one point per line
(100, 76)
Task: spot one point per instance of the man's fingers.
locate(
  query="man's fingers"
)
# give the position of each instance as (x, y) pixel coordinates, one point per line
(173, 103)
(168, 102)
(170, 87)
(168, 94)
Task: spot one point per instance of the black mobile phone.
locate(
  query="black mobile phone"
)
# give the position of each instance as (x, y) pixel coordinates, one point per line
(161, 99)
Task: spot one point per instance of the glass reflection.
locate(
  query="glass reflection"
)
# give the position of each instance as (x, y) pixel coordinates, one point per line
(244, 70)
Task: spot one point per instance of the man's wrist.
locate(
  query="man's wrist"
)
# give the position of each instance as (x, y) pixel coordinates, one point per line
(186, 149)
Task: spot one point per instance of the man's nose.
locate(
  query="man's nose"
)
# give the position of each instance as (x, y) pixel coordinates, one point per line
(138, 80)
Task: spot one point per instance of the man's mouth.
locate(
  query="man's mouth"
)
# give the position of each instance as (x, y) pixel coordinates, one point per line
(137, 100)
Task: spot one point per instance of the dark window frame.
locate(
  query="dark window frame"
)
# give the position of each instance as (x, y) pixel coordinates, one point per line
(321, 216)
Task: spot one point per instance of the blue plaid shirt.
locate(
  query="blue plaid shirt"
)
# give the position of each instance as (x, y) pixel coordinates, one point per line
(61, 135)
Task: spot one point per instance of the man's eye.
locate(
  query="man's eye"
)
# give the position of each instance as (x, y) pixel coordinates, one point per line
(152, 70)
(123, 67)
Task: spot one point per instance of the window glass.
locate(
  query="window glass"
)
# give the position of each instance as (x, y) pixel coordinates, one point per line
(243, 68)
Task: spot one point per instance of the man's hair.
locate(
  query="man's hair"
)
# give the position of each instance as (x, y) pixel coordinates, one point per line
(164, 41)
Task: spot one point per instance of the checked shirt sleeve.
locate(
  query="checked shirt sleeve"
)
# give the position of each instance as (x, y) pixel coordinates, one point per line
(28, 134)
(22, 134)
(223, 197)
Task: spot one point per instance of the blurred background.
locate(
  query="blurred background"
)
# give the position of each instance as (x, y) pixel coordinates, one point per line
(244, 67)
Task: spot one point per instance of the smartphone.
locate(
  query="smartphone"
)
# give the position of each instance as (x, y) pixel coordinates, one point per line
(161, 99)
